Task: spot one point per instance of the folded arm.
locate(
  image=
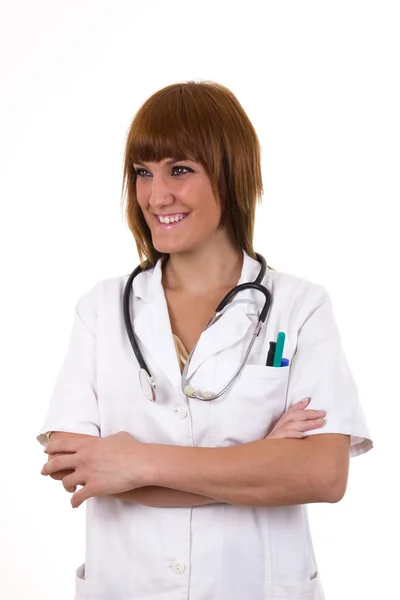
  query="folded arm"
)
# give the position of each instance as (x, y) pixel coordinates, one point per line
(270, 472)
(150, 495)
(167, 497)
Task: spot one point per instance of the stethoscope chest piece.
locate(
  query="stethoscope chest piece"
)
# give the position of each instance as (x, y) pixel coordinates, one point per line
(148, 385)
(189, 390)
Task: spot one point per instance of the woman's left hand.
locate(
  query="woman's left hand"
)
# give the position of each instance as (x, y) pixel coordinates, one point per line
(103, 466)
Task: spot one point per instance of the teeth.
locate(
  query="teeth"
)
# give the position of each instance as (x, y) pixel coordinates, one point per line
(173, 219)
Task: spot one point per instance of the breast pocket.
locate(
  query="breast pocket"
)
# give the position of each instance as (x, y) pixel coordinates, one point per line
(252, 406)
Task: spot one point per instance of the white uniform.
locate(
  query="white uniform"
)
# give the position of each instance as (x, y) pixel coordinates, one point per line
(212, 552)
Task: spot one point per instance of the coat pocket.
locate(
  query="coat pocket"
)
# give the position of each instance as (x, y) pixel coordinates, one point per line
(253, 405)
(308, 590)
(84, 589)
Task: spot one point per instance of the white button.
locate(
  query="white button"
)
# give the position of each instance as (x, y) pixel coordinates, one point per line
(178, 566)
(182, 412)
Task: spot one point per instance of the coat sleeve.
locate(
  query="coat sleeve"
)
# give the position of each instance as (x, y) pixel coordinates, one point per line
(73, 405)
(319, 369)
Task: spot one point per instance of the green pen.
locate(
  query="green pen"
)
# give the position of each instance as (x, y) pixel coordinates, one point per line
(280, 341)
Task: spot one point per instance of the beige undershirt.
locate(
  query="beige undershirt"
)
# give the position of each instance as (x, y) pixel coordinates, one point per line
(181, 352)
(182, 357)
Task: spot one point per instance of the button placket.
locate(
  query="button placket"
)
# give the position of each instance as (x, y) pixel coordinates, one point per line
(182, 411)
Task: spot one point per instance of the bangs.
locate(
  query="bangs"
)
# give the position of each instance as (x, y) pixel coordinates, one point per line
(206, 123)
(174, 125)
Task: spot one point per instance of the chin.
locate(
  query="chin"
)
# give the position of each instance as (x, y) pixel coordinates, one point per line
(173, 248)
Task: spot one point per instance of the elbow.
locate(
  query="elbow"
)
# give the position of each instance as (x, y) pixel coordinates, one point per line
(339, 473)
(337, 497)
(336, 490)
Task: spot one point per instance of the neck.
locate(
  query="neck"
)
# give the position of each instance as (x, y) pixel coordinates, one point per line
(202, 272)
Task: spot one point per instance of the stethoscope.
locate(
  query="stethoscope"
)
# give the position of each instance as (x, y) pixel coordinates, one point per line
(146, 380)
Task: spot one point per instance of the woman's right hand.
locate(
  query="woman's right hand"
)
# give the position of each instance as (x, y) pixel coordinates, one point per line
(296, 420)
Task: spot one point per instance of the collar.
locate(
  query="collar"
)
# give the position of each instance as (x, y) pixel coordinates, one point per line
(148, 284)
(152, 328)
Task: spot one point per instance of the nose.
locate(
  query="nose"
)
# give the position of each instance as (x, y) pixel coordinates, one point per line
(161, 194)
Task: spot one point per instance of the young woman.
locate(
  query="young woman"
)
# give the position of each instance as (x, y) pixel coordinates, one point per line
(192, 493)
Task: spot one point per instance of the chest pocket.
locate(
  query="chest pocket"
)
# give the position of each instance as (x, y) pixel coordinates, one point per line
(252, 406)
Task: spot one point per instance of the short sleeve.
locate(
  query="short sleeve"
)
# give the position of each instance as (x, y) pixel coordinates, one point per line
(73, 405)
(319, 369)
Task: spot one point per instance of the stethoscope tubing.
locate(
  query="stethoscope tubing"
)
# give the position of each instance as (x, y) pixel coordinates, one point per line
(146, 379)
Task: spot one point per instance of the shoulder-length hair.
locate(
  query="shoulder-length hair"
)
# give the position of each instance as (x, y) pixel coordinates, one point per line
(203, 121)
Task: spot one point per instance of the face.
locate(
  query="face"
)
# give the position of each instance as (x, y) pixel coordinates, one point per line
(178, 204)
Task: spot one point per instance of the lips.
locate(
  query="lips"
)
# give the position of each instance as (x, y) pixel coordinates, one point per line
(171, 224)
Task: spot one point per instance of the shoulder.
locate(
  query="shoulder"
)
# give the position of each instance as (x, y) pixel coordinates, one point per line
(287, 288)
(299, 287)
(295, 294)
(105, 288)
(106, 295)
(112, 287)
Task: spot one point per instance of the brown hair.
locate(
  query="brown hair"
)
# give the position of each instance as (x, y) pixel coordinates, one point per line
(203, 121)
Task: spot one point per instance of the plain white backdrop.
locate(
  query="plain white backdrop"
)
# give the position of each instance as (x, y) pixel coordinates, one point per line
(320, 82)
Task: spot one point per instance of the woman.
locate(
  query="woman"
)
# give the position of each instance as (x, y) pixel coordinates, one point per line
(187, 498)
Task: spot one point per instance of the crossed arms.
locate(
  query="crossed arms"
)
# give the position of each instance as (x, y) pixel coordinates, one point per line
(270, 472)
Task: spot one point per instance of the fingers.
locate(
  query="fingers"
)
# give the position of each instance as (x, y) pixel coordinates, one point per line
(303, 416)
(302, 426)
(297, 420)
(292, 417)
(59, 476)
(72, 481)
(68, 445)
(83, 494)
(69, 487)
(285, 434)
(59, 463)
(297, 411)
(300, 405)
(301, 423)
(295, 430)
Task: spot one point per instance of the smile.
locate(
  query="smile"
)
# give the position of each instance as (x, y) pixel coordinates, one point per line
(171, 220)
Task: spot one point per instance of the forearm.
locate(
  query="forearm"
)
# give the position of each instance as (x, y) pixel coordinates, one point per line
(274, 472)
(150, 495)
(164, 497)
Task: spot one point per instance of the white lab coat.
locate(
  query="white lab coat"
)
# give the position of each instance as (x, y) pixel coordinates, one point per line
(214, 552)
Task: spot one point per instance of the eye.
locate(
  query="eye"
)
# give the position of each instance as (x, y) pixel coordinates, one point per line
(140, 172)
(178, 167)
(176, 171)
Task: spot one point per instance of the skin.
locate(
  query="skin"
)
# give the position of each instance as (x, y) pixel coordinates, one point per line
(203, 260)
(292, 425)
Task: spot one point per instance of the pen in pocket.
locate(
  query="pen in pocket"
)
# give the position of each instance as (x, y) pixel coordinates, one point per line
(280, 342)
(275, 352)
(271, 352)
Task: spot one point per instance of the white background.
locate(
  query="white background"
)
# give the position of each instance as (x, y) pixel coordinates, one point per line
(320, 82)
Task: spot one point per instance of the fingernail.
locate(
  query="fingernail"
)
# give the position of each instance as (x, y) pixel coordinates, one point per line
(306, 400)
(42, 471)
